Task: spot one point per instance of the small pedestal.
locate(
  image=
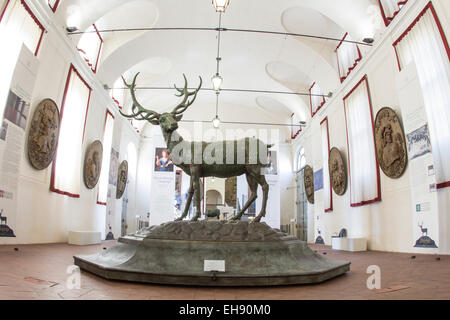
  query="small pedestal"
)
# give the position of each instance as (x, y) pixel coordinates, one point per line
(84, 238)
(349, 244)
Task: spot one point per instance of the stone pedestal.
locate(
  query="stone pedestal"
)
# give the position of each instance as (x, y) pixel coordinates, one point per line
(175, 253)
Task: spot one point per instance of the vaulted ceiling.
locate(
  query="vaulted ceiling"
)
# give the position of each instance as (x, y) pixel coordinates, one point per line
(249, 60)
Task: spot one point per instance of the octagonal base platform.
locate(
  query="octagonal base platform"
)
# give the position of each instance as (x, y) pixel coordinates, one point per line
(174, 253)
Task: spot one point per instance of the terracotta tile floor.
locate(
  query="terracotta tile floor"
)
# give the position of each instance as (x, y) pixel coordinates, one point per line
(39, 272)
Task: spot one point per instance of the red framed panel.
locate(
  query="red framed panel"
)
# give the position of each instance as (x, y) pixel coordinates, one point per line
(35, 19)
(331, 188)
(4, 10)
(296, 133)
(66, 89)
(388, 20)
(114, 99)
(93, 65)
(358, 59)
(55, 6)
(310, 101)
(429, 6)
(108, 113)
(378, 198)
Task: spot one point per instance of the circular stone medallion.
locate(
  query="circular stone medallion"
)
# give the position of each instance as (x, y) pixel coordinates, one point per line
(122, 176)
(309, 184)
(93, 164)
(338, 174)
(43, 134)
(390, 143)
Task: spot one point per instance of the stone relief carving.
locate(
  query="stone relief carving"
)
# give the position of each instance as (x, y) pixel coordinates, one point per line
(338, 173)
(43, 134)
(390, 143)
(93, 164)
(309, 184)
(122, 177)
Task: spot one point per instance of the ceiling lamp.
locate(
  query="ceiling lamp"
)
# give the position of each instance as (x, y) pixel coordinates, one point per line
(221, 5)
(217, 81)
(216, 122)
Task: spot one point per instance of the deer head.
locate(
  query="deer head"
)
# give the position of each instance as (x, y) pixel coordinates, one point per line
(168, 120)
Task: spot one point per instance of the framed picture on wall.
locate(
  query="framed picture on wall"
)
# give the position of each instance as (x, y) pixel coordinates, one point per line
(162, 161)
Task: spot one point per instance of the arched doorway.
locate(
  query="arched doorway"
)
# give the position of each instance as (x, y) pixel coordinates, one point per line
(213, 200)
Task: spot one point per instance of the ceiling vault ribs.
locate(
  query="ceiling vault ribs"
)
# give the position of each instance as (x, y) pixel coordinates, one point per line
(224, 30)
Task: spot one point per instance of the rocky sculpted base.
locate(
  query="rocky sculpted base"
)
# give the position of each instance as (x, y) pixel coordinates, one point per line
(175, 253)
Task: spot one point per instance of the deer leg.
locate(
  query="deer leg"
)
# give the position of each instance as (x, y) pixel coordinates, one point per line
(253, 184)
(197, 199)
(265, 187)
(188, 202)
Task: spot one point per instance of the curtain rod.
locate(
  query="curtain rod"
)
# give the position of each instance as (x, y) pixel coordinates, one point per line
(233, 90)
(222, 29)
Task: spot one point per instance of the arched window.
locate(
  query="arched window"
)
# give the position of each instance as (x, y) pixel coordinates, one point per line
(301, 159)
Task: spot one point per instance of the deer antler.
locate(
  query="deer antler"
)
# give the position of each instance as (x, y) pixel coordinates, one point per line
(186, 103)
(138, 112)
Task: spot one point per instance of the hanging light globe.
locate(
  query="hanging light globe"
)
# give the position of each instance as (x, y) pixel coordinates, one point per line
(216, 122)
(217, 81)
(221, 5)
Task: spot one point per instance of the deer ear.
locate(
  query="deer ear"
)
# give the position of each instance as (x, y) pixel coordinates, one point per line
(154, 122)
(179, 117)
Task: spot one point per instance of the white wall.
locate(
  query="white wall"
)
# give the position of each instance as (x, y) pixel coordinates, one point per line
(387, 225)
(43, 216)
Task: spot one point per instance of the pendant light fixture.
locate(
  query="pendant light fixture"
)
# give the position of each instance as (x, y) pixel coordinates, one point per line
(216, 120)
(217, 80)
(221, 5)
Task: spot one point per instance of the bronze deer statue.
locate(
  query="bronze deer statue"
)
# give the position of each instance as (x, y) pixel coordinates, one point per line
(201, 159)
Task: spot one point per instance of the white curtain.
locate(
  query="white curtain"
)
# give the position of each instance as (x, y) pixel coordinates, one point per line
(424, 45)
(317, 101)
(328, 203)
(392, 7)
(67, 169)
(364, 182)
(107, 144)
(348, 57)
(90, 46)
(21, 25)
